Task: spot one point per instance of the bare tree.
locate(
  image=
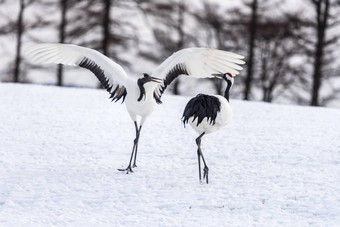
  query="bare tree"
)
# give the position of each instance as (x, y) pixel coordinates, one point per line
(20, 30)
(322, 9)
(251, 48)
(90, 24)
(212, 21)
(181, 40)
(225, 29)
(20, 27)
(277, 47)
(62, 27)
(319, 42)
(169, 30)
(106, 26)
(101, 25)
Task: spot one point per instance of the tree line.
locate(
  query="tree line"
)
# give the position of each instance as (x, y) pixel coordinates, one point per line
(290, 52)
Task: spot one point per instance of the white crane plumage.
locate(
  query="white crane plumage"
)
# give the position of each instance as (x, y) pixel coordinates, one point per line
(140, 95)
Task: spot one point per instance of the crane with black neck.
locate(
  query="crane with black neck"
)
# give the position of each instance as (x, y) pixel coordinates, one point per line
(141, 95)
(206, 114)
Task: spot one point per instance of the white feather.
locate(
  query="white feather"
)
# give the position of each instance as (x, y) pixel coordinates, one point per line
(70, 54)
(201, 62)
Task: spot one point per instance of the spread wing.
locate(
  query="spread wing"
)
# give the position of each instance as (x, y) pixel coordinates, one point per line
(111, 75)
(196, 62)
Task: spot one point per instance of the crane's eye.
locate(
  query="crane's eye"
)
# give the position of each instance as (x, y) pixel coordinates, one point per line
(229, 74)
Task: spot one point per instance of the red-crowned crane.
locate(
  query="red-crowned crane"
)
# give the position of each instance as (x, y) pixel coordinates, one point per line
(143, 94)
(206, 114)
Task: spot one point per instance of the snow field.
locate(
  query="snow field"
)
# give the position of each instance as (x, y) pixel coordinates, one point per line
(60, 149)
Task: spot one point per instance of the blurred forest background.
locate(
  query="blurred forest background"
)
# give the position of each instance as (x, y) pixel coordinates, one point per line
(291, 47)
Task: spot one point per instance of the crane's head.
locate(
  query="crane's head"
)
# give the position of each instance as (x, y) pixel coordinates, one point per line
(146, 78)
(228, 76)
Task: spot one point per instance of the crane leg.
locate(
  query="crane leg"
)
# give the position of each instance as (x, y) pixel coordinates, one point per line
(200, 155)
(134, 151)
(199, 165)
(136, 142)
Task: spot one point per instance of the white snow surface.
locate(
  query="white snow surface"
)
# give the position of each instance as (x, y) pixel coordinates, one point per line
(60, 148)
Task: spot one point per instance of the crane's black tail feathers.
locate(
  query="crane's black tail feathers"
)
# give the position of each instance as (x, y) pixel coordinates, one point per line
(200, 107)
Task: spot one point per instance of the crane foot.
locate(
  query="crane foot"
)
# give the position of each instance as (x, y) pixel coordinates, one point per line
(128, 170)
(205, 174)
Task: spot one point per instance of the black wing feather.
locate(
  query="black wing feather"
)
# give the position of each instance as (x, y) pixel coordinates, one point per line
(177, 70)
(117, 93)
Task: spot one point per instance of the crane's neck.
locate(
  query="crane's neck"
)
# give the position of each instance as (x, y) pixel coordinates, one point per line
(226, 92)
(145, 89)
(141, 89)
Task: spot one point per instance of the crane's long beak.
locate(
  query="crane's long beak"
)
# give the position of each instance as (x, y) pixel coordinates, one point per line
(157, 80)
(218, 75)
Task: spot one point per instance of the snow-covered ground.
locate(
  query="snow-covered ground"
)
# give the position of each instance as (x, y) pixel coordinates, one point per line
(274, 165)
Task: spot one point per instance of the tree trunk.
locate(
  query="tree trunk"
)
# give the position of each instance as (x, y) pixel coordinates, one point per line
(20, 27)
(62, 26)
(106, 27)
(250, 60)
(106, 23)
(322, 12)
(180, 42)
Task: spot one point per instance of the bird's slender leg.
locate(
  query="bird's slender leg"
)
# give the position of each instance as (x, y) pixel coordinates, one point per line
(200, 155)
(134, 151)
(206, 169)
(199, 165)
(136, 142)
